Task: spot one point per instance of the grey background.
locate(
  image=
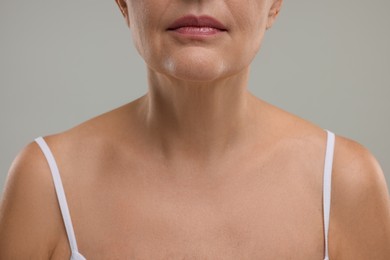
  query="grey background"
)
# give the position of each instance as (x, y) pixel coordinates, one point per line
(63, 62)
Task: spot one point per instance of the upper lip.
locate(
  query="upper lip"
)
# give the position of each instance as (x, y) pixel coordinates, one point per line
(197, 21)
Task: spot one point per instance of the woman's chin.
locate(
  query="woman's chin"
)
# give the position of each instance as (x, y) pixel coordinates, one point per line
(196, 74)
(196, 67)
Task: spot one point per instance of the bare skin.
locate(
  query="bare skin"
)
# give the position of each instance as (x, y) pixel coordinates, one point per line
(196, 169)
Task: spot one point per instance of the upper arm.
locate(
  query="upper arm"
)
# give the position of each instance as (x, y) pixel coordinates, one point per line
(360, 210)
(29, 212)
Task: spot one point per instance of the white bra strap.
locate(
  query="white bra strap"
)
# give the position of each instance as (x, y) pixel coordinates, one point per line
(327, 182)
(60, 192)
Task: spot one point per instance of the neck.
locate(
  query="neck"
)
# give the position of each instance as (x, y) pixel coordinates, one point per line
(196, 119)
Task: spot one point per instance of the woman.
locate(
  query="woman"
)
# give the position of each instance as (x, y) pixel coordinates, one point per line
(197, 168)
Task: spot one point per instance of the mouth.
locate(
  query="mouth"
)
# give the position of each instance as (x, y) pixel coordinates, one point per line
(197, 25)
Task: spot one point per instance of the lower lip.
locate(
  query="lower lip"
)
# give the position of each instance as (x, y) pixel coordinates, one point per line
(197, 31)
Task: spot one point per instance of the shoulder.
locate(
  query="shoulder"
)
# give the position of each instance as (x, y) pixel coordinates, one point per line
(360, 207)
(29, 213)
(356, 170)
(356, 166)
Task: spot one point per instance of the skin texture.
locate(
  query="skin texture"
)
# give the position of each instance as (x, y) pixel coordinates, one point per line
(193, 84)
(198, 167)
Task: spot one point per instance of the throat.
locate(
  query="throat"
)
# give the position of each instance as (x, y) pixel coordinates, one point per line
(198, 123)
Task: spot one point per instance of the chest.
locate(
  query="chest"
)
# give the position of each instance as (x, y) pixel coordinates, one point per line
(253, 219)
